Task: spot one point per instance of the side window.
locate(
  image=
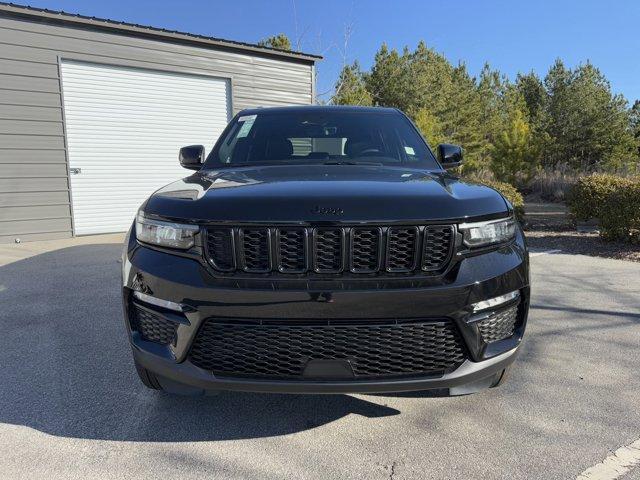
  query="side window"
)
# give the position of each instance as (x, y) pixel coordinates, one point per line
(226, 149)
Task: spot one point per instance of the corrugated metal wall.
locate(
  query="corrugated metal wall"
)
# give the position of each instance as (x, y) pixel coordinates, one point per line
(34, 182)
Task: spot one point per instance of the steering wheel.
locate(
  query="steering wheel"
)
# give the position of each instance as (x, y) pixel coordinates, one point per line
(368, 151)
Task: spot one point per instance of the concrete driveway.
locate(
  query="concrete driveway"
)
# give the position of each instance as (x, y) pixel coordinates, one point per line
(71, 405)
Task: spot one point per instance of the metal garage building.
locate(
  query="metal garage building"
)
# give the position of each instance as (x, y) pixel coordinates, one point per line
(92, 113)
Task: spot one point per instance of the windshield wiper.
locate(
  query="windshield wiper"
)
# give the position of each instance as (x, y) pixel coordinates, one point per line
(349, 162)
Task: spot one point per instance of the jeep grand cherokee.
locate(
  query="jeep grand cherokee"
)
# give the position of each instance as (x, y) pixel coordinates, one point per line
(324, 249)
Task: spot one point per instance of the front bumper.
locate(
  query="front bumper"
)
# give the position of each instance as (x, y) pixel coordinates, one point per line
(467, 375)
(189, 283)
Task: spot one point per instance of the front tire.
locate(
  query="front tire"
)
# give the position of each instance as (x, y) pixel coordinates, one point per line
(503, 378)
(157, 382)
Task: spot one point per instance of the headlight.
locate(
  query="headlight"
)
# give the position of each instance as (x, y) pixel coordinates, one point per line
(485, 233)
(165, 234)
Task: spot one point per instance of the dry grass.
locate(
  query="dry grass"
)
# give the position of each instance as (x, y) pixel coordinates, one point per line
(552, 184)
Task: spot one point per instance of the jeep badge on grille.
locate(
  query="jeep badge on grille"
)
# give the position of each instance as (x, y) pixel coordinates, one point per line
(327, 210)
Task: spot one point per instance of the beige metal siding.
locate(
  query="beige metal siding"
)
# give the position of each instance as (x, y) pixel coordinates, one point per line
(34, 183)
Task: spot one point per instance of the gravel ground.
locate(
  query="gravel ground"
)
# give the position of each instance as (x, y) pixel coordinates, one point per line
(71, 406)
(582, 243)
(548, 226)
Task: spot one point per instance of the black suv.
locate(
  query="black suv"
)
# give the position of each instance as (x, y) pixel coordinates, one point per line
(324, 249)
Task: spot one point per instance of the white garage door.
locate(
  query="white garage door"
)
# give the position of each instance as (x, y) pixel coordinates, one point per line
(124, 129)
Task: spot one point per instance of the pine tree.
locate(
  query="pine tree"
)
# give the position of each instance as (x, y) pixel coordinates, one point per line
(279, 41)
(387, 82)
(534, 94)
(430, 127)
(571, 117)
(514, 152)
(350, 88)
(589, 127)
(634, 115)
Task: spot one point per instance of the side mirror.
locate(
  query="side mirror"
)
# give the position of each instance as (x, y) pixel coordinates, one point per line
(192, 157)
(449, 156)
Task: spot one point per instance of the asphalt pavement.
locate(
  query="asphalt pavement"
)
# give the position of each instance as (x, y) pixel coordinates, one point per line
(71, 405)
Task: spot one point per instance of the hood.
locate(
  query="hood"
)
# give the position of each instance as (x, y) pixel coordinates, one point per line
(317, 193)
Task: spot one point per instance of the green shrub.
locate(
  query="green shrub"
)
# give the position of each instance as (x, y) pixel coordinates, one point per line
(613, 200)
(620, 213)
(510, 192)
(588, 195)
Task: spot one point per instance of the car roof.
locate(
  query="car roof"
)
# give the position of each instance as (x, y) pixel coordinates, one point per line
(317, 109)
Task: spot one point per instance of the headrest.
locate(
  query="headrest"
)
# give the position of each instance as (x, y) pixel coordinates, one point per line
(278, 148)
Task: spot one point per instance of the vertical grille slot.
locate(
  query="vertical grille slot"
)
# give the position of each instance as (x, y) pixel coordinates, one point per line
(255, 255)
(292, 250)
(402, 249)
(328, 250)
(437, 247)
(220, 249)
(365, 249)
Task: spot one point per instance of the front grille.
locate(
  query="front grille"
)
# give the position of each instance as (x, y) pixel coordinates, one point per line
(331, 250)
(151, 326)
(499, 325)
(283, 351)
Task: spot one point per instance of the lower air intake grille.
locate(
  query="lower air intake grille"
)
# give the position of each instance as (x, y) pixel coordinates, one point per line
(499, 325)
(152, 326)
(282, 351)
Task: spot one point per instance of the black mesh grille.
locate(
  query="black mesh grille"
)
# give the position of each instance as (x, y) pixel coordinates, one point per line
(220, 248)
(402, 249)
(331, 250)
(283, 351)
(292, 250)
(255, 249)
(437, 247)
(152, 326)
(365, 249)
(328, 250)
(499, 325)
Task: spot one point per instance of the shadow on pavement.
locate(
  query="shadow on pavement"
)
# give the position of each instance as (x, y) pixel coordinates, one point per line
(587, 311)
(67, 368)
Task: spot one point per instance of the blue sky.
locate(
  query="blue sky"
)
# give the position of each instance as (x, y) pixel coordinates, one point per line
(512, 36)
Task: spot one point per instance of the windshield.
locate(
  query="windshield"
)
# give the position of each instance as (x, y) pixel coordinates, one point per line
(325, 137)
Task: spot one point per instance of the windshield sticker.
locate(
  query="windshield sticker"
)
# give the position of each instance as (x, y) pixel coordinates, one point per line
(409, 150)
(246, 126)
